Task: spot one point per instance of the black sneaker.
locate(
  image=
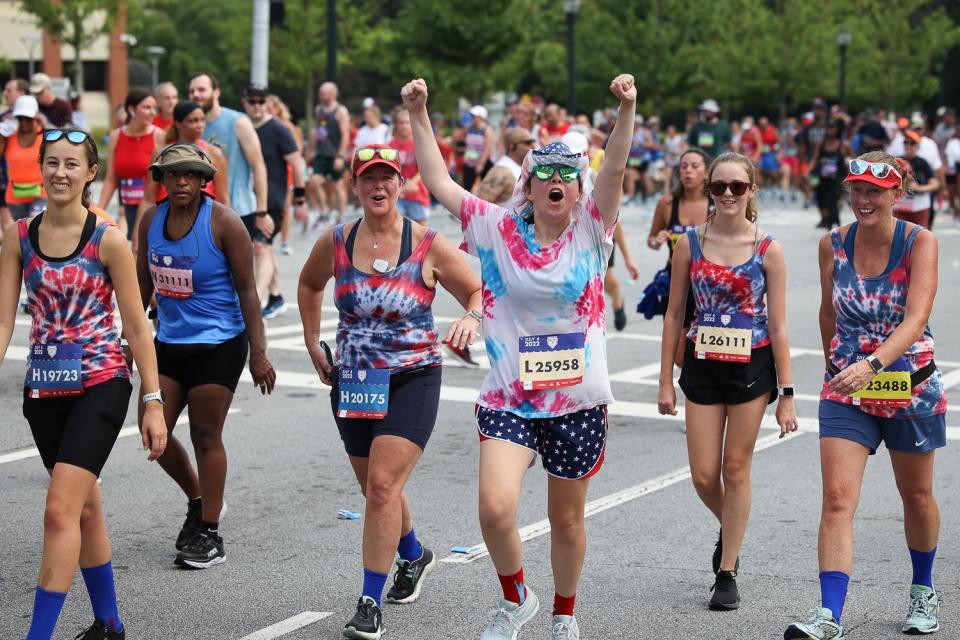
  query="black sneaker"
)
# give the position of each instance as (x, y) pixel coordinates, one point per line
(409, 576)
(718, 553)
(202, 551)
(367, 623)
(99, 631)
(620, 318)
(726, 596)
(191, 525)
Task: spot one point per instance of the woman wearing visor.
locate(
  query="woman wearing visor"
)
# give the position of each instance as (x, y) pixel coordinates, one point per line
(198, 260)
(878, 281)
(542, 261)
(387, 370)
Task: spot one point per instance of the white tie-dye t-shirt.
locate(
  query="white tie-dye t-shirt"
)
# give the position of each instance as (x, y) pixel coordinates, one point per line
(529, 290)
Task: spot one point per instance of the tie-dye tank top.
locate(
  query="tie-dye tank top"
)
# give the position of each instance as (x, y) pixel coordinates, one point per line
(739, 289)
(71, 301)
(868, 310)
(386, 320)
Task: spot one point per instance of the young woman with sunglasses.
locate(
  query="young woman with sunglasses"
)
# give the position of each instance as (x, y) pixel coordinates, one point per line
(78, 384)
(387, 370)
(198, 259)
(737, 354)
(542, 261)
(680, 211)
(878, 280)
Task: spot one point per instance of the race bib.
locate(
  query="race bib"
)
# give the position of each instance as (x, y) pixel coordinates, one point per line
(890, 388)
(54, 370)
(676, 231)
(172, 275)
(131, 190)
(548, 362)
(724, 336)
(828, 168)
(471, 154)
(321, 132)
(28, 190)
(363, 393)
(766, 148)
(705, 139)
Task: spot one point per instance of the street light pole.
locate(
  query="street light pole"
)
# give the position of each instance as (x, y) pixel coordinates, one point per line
(571, 7)
(156, 52)
(332, 40)
(843, 41)
(30, 42)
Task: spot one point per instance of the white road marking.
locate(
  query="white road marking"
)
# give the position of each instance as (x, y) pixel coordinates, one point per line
(599, 505)
(289, 625)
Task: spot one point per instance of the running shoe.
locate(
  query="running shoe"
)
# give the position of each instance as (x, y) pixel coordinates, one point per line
(191, 526)
(620, 317)
(718, 550)
(286, 250)
(922, 618)
(409, 576)
(275, 307)
(726, 596)
(820, 625)
(564, 628)
(202, 551)
(99, 631)
(367, 622)
(462, 354)
(507, 618)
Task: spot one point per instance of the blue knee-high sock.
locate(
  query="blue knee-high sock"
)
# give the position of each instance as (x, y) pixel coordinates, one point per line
(409, 548)
(833, 591)
(103, 595)
(46, 610)
(373, 583)
(923, 566)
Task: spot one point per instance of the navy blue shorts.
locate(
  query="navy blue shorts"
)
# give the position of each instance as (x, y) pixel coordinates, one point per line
(918, 435)
(571, 446)
(411, 414)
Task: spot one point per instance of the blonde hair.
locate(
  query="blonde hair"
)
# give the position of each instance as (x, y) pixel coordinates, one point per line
(735, 158)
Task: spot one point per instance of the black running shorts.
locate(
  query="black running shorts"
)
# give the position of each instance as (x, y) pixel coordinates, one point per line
(191, 365)
(717, 382)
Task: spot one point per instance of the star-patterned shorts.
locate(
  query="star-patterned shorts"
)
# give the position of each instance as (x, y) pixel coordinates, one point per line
(570, 446)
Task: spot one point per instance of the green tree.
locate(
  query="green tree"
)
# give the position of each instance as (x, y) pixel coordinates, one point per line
(70, 21)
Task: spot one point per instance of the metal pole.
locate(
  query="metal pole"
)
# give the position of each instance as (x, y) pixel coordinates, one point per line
(332, 40)
(571, 82)
(843, 72)
(155, 63)
(31, 66)
(260, 51)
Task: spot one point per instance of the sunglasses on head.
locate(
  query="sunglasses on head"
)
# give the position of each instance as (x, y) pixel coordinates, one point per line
(365, 154)
(879, 170)
(737, 187)
(76, 137)
(546, 171)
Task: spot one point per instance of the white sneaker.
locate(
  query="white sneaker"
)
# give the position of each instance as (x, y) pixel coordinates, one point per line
(507, 618)
(565, 628)
(286, 250)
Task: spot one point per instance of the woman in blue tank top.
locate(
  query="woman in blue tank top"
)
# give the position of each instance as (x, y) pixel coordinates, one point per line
(196, 255)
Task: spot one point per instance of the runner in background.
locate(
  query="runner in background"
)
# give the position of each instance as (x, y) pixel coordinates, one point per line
(915, 204)
(478, 154)
(414, 201)
(167, 98)
(25, 195)
(327, 149)
(280, 111)
(710, 133)
(770, 156)
(829, 167)
(12, 90)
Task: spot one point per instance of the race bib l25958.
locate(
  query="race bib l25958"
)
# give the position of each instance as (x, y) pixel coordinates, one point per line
(551, 361)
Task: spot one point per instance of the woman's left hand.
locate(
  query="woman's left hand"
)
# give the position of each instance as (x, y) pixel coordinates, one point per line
(787, 415)
(462, 332)
(852, 379)
(624, 88)
(262, 372)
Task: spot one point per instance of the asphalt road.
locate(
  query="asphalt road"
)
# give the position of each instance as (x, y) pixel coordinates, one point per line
(293, 568)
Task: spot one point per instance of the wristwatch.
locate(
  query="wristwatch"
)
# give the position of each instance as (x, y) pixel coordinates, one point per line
(476, 315)
(875, 363)
(786, 390)
(156, 395)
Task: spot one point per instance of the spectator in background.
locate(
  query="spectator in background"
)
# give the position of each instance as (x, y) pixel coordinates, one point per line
(166, 96)
(57, 111)
(374, 129)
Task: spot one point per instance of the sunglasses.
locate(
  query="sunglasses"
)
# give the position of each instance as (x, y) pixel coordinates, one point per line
(76, 137)
(737, 187)
(909, 142)
(255, 101)
(879, 170)
(365, 154)
(546, 171)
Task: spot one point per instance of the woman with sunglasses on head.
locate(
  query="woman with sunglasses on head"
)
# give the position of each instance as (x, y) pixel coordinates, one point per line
(188, 124)
(128, 154)
(878, 281)
(915, 204)
(198, 259)
(387, 371)
(680, 211)
(542, 261)
(736, 358)
(78, 384)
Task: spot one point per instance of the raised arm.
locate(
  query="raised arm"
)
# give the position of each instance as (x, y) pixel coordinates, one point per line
(433, 171)
(609, 189)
